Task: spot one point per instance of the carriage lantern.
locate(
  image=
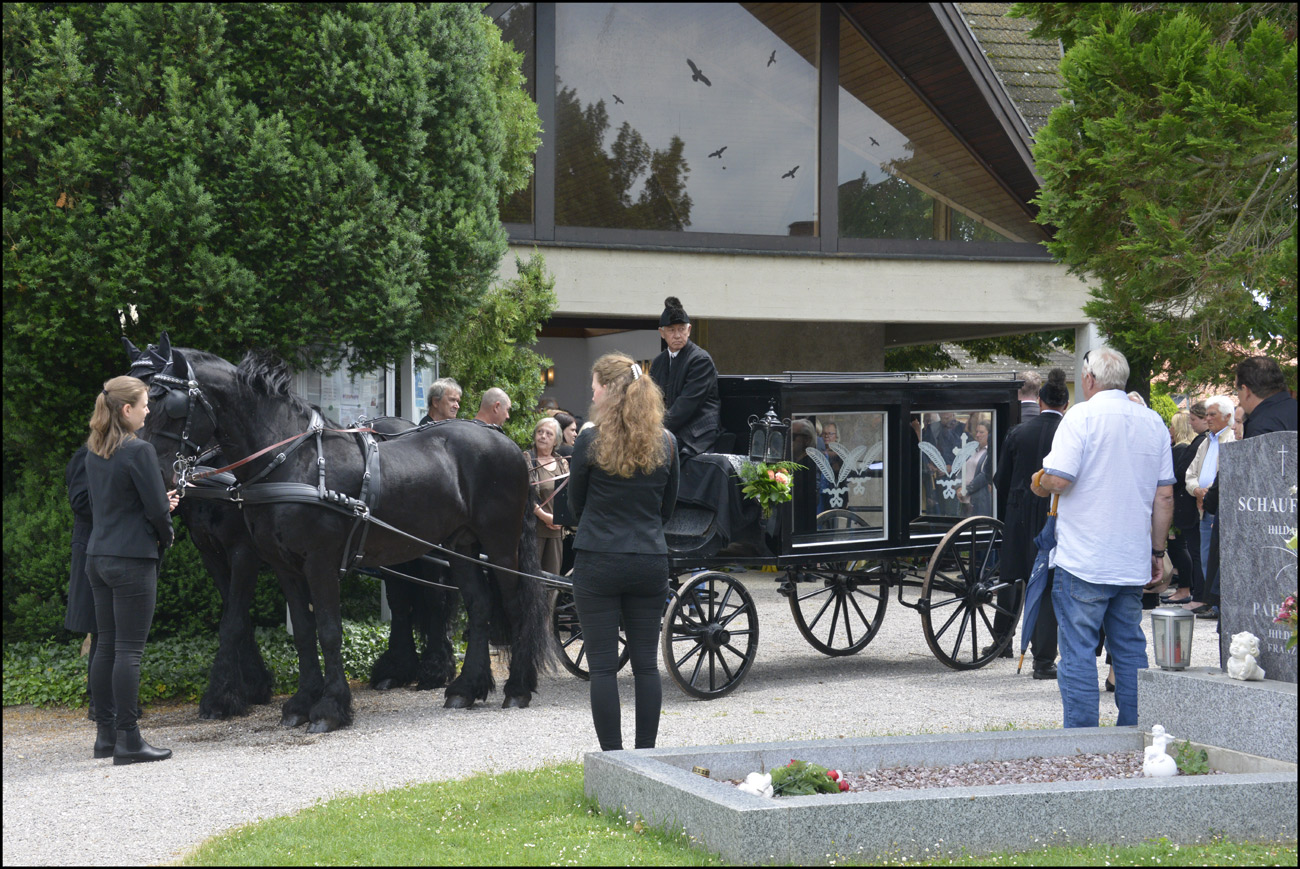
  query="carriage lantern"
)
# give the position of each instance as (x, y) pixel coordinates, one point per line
(1171, 632)
(768, 435)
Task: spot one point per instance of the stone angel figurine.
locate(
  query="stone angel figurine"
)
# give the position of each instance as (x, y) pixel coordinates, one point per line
(1242, 663)
(1155, 762)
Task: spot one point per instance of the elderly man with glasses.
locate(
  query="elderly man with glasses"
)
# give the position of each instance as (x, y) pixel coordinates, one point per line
(1112, 465)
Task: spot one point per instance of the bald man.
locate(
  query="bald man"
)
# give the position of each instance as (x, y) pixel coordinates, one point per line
(494, 409)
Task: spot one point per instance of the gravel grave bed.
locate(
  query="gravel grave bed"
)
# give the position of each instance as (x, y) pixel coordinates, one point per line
(1030, 770)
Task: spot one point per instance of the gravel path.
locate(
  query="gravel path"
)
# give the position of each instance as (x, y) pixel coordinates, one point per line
(228, 773)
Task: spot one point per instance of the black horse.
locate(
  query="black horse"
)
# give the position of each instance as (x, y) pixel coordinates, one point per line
(239, 676)
(417, 610)
(459, 484)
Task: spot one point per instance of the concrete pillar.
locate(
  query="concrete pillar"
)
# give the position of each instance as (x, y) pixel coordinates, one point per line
(1086, 337)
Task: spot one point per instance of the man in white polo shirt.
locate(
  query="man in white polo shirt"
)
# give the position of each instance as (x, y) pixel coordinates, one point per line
(1112, 465)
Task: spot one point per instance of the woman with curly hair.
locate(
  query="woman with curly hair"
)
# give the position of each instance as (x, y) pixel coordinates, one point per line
(622, 488)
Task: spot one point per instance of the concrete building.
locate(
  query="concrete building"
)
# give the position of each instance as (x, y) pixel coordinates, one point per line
(816, 182)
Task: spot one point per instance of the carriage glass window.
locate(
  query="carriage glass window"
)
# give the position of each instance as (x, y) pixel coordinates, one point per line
(839, 490)
(956, 463)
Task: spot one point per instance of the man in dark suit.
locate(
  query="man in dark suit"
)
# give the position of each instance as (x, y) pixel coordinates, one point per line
(689, 380)
(1028, 394)
(1022, 455)
(1261, 391)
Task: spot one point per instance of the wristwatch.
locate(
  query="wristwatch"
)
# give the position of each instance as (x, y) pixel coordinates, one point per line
(1157, 553)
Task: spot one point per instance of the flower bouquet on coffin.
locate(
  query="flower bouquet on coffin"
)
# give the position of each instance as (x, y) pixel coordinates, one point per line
(768, 483)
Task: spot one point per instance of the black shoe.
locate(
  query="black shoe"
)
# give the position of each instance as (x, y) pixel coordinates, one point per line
(1047, 671)
(1110, 686)
(993, 647)
(1210, 613)
(105, 739)
(1202, 609)
(131, 748)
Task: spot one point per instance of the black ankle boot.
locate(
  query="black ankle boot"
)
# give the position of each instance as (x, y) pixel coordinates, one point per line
(131, 748)
(105, 739)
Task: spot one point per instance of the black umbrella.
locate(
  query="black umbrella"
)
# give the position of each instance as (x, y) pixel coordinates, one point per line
(1046, 542)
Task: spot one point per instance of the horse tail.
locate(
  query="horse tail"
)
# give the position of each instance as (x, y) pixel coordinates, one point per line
(533, 641)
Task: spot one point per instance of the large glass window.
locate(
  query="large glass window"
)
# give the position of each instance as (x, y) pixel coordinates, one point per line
(839, 491)
(696, 117)
(902, 173)
(956, 462)
(518, 25)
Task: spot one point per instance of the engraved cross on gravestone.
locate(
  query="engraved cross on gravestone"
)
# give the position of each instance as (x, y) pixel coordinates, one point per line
(1257, 516)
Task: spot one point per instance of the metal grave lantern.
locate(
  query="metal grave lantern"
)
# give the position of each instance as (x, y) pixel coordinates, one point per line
(768, 436)
(1171, 632)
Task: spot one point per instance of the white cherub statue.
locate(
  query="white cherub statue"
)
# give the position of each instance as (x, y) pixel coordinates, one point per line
(1155, 762)
(1241, 662)
(757, 783)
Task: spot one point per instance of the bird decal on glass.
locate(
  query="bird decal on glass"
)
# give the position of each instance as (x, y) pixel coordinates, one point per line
(696, 75)
(771, 60)
(617, 100)
(718, 153)
(790, 174)
(871, 139)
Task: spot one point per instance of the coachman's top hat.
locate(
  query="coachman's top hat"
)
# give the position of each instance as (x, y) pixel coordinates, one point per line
(673, 312)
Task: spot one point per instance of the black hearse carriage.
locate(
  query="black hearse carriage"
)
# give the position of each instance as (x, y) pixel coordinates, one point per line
(881, 506)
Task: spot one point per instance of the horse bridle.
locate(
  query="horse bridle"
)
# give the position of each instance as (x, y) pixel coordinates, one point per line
(181, 397)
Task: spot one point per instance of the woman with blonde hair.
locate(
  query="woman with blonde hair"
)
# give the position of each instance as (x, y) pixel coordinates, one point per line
(544, 466)
(131, 529)
(622, 488)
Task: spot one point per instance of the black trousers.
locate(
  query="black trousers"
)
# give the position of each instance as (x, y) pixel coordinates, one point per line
(125, 590)
(1181, 559)
(609, 587)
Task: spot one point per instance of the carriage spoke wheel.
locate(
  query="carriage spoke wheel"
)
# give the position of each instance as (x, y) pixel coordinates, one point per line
(960, 591)
(840, 609)
(710, 635)
(568, 636)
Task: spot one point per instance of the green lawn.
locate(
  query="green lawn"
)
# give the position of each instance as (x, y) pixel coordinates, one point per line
(542, 818)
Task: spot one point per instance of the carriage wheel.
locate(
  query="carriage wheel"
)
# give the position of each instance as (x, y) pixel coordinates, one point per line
(959, 594)
(568, 635)
(841, 610)
(710, 635)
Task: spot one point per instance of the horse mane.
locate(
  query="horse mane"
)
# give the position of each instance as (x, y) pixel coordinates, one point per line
(264, 373)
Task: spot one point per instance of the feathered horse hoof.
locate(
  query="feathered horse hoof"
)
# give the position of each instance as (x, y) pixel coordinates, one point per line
(457, 701)
(516, 702)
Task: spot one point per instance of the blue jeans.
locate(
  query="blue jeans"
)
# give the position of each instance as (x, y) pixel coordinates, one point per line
(1207, 524)
(1082, 609)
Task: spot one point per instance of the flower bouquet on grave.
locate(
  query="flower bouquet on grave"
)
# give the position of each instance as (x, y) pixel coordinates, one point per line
(1287, 616)
(768, 483)
(799, 778)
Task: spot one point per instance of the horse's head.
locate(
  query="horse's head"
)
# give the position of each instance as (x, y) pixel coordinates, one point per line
(180, 418)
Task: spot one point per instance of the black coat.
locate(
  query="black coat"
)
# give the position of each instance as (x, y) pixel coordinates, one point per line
(80, 617)
(1186, 516)
(1275, 413)
(692, 409)
(617, 514)
(132, 517)
(1022, 455)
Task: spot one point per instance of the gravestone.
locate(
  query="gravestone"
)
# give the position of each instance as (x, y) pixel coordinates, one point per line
(1257, 516)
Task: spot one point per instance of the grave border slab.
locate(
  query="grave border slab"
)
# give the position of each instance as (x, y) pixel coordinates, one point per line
(658, 787)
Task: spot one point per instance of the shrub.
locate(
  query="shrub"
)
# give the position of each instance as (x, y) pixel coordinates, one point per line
(54, 673)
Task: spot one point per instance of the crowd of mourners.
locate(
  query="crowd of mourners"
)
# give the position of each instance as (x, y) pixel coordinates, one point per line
(1137, 505)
